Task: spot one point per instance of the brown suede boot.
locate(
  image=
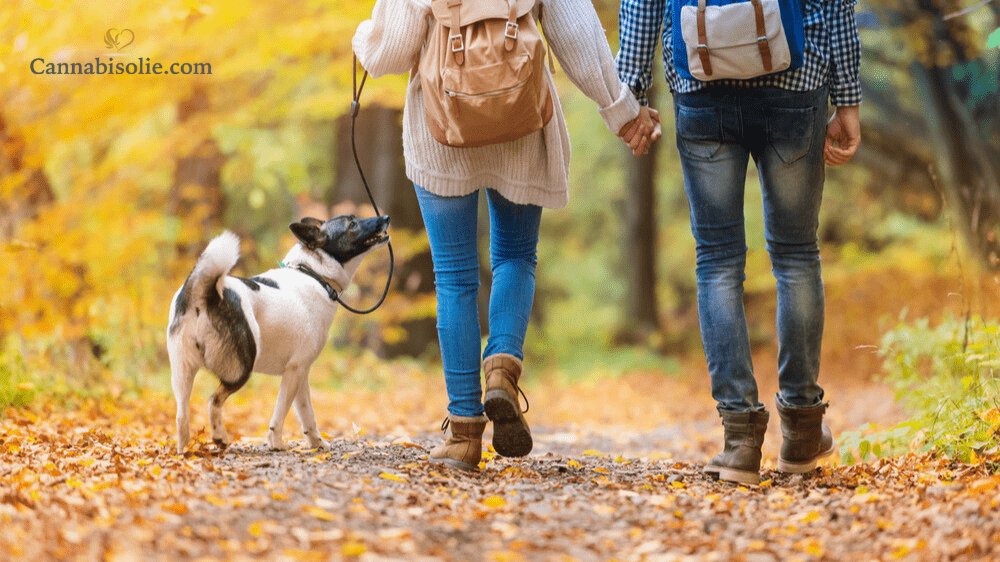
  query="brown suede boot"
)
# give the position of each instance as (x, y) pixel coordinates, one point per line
(805, 438)
(739, 460)
(464, 447)
(511, 435)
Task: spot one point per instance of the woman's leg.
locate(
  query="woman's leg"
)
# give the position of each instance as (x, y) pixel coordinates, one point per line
(513, 243)
(513, 256)
(450, 223)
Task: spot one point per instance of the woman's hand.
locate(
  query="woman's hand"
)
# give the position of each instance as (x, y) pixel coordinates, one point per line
(642, 131)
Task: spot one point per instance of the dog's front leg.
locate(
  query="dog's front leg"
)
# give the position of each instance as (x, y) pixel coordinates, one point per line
(290, 381)
(307, 417)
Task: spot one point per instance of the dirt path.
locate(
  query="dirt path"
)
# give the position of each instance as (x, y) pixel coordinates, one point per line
(102, 483)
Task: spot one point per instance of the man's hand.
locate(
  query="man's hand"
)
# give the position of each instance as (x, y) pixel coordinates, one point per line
(642, 131)
(843, 136)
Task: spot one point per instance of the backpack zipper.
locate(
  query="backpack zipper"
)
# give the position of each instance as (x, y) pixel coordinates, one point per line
(454, 94)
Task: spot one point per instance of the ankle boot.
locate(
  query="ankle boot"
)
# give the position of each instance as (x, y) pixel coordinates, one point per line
(511, 435)
(739, 460)
(805, 438)
(463, 448)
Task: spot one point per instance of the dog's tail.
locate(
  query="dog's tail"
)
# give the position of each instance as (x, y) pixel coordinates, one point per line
(214, 264)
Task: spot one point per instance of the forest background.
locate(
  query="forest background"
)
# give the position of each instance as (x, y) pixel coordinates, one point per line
(110, 186)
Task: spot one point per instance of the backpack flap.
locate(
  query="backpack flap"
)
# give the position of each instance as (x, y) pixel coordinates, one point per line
(472, 11)
(736, 39)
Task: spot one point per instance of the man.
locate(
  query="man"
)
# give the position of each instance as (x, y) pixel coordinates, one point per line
(781, 121)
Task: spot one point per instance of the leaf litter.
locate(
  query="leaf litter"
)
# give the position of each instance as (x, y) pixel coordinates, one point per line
(103, 483)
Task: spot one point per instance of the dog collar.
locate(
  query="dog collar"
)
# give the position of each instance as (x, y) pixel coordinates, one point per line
(330, 291)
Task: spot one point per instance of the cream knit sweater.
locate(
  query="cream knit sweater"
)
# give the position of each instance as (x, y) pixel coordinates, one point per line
(531, 170)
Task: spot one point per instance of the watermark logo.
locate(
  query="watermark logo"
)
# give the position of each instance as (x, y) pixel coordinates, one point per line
(119, 39)
(115, 39)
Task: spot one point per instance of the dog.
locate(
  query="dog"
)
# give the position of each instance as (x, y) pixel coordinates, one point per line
(275, 323)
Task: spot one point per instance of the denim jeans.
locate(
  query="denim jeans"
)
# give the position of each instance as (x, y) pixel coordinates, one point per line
(718, 129)
(451, 224)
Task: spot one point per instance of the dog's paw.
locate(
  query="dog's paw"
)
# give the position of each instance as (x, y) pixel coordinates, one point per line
(319, 443)
(276, 443)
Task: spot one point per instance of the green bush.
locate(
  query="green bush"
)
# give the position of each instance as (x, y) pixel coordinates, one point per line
(945, 376)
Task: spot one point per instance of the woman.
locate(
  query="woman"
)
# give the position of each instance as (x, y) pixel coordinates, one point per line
(521, 177)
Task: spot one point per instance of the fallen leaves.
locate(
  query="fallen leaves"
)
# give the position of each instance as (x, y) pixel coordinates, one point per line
(86, 482)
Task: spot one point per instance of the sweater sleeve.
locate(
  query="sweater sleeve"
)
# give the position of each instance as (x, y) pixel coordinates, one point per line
(390, 42)
(580, 43)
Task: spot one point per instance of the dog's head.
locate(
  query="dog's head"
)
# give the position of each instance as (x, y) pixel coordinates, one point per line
(342, 238)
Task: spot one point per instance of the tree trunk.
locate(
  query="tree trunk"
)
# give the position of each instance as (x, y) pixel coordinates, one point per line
(641, 316)
(197, 187)
(32, 191)
(967, 166)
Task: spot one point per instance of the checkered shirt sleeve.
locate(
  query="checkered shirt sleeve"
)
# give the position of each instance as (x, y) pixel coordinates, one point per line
(639, 23)
(845, 53)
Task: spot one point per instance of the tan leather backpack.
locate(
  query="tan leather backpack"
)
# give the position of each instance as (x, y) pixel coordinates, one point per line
(483, 72)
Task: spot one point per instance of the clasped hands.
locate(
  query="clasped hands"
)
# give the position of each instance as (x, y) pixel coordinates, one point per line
(640, 133)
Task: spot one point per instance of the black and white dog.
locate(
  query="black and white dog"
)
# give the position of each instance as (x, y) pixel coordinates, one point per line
(275, 323)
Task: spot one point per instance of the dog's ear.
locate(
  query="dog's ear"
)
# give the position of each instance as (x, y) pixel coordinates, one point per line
(309, 221)
(309, 234)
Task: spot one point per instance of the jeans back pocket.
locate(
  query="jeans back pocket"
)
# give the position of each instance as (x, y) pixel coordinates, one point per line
(791, 131)
(699, 132)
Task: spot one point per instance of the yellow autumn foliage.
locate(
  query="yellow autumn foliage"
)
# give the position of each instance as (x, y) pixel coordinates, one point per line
(88, 272)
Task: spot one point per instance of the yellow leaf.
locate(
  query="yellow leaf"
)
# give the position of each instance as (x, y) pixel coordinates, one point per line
(601, 470)
(901, 551)
(256, 529)
(810, 517)
(676, 484)
(215, 500)
(278, 496)
(494, 502)
(178, 508)
(573, 464)
(592, 453)
(811, 546)
(318, 512)
(387, 476)
(353, 549)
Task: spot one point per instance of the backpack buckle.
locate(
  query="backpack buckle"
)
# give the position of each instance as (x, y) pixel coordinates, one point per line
(511, 31)
(457, 43)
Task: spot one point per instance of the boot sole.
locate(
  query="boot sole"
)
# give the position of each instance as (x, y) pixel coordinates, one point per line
(459, 465)
(733, 475)
(511, 436)
(801, 467)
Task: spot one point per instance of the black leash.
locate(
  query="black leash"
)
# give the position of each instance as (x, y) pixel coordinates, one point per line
(355, 108)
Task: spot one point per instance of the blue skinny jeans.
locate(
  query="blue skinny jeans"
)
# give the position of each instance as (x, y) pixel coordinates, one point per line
(451, 225)
(718, 130)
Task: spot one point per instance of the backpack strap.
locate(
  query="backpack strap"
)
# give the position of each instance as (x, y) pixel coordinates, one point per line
(706, 61)
(762, 44)
(510, 33)
(455, 39)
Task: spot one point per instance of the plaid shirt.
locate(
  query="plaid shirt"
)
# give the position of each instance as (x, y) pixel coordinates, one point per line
(832, 51)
